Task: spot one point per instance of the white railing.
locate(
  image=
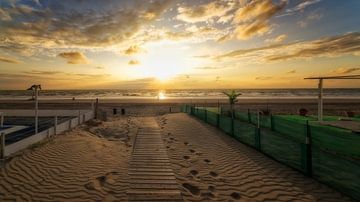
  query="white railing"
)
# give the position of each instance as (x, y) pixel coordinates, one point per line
(82, 116)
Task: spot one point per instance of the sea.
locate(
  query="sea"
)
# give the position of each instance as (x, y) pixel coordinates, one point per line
(181, 93)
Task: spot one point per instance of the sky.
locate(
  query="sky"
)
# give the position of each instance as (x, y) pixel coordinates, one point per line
(173, 44)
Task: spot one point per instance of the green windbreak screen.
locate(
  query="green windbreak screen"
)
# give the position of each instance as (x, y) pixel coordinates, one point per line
(242, 116)
(293, 129)
(341, 173)
(336, 139)
(200, 113)
(265, 121)
(254, 118)
(281, 149)
(245, 132)
(225, 124)
(212, 118)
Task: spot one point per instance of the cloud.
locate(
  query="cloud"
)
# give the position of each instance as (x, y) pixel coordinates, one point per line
(246, 31)
(325, 47)
(261, 10)
(301, 6)
(134, 62)
(277, 39)
(38, 72)
(74, 57)
(8, 60)
(312, 17)
(293, 71)
(100, 67)
(132, 50)
(204, 12)
(253, 19)
(81, 25)
(263, 78)
(4, 16)
(210, 68)
(345, 70)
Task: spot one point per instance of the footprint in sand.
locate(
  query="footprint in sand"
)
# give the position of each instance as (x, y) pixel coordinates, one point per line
(192, 151)
(194, 172)
(186, 157)
(98, 183)
(186, 143)
(235, 195)
(207, 161)
(211, 188)
(207, 195)
(213, 174)
(194, 190)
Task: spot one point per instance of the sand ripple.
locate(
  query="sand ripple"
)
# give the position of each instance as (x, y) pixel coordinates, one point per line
(75, 166)
(212, 166)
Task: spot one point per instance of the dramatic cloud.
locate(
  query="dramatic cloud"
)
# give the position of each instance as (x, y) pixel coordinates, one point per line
(74, 57)
(8, 60)
(261, 10)
(345, 70)
(325, 47)
(134, 62)
(60, 25)
(204, 12)
(253, 19)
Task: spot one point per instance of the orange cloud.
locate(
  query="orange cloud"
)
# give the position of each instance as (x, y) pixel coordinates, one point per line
(74, 57)
(132, 50)
(134, 62)
(8, 60)
(345, 70)
(253, 18)
(204, 12)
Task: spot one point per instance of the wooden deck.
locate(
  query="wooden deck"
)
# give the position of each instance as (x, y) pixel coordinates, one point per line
(150, 172)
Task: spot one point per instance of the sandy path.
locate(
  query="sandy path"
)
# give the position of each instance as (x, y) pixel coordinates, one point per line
(211, 166)
(88, 163)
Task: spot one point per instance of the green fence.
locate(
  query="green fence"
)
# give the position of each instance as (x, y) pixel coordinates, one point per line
(328, 154)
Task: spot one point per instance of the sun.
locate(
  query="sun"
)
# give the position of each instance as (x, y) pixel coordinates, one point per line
(164, 61)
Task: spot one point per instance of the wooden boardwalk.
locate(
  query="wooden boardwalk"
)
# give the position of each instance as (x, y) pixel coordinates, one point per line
(150, 172)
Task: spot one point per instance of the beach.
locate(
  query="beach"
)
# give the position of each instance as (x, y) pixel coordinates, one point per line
(91, 162)
(154, 106)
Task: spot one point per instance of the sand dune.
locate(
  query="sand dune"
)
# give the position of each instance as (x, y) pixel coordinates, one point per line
(88, 163)
(211, 166)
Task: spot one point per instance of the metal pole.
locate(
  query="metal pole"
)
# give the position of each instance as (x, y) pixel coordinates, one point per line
(55, 125)
(2, 146)
(36, 110)
(320, 101)
(2, 119)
